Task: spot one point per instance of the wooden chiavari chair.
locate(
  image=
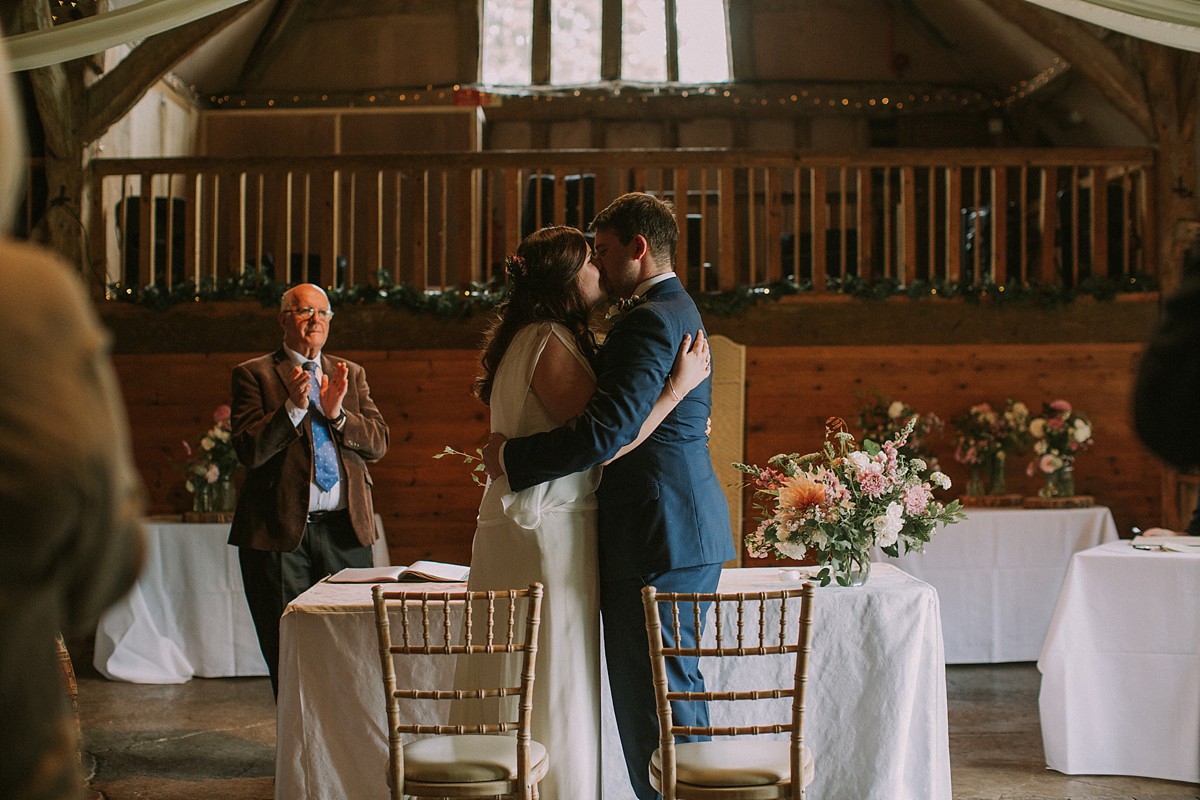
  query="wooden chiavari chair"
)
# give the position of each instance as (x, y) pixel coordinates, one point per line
(476, 760)
(731, 768)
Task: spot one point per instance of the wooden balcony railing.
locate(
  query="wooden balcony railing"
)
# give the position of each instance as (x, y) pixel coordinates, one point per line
(819, 219)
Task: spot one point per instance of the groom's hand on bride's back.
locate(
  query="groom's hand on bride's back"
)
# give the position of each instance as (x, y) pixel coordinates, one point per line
(491, 455)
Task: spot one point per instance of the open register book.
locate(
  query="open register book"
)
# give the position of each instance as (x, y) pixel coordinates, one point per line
(416, 572)
(1175, 544)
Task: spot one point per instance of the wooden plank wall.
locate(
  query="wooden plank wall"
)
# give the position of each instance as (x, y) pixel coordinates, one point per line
(429, 505)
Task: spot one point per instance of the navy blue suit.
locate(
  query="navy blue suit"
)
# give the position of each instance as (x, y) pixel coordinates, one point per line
(663, 519)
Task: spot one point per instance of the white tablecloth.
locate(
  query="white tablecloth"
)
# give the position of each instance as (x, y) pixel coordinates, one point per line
(186, 616)
(876, 710)
(1121, 666)
(998, 574)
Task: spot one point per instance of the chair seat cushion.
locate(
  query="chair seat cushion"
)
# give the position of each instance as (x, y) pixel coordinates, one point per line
(466, 759)
(735, 762)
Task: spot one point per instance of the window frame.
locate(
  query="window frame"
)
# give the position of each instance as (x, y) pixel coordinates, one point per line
(611, 21)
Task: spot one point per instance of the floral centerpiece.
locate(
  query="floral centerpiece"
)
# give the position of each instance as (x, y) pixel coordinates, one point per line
(1059, 434)
(211, 465)
(837, 504)
(885, 419)
(986, 438)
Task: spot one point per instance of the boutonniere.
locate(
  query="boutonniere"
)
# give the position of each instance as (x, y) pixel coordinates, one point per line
(623, 307)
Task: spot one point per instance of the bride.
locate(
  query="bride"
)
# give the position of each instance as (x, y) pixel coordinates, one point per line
(536, 374)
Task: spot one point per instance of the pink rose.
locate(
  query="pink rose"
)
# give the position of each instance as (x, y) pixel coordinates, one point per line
(221, 414)
(1061, 406)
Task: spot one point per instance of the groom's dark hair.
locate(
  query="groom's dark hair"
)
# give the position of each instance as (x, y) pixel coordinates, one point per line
(638, 213)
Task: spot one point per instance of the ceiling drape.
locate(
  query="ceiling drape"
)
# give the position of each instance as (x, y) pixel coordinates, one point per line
(1175, 23)
(94, 34)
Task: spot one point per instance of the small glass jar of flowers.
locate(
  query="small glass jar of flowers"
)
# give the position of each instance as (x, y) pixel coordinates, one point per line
(1058, 435)
(886, 418)
(837, 504)
(986, 438)
(211, 465)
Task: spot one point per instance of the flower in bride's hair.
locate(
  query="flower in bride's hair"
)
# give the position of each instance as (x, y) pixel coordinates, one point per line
(516, 267)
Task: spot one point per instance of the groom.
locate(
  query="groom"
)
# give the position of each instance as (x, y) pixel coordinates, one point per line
(663, 519)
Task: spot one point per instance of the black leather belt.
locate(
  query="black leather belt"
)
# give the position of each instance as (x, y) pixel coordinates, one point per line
(325, 516)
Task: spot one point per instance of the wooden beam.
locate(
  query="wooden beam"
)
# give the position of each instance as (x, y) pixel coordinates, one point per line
(540, 67)
(288, 16)
(110, 98)
(470, 27)
(741, 39)
(1092, 58)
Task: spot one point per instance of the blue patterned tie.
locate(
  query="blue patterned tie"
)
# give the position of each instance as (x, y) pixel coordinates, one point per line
(325, 468)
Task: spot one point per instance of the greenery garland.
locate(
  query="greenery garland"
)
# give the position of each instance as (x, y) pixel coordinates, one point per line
(477, 297)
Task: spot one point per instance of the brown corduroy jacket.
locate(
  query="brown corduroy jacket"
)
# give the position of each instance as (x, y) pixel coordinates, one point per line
(272, 506)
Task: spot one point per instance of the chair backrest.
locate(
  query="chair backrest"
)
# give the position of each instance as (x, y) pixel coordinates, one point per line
(744, 625)
(460, 624)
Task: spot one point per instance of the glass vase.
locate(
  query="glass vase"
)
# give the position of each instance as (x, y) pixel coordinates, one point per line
(1059, 483)
(1065, 478)
(202, 497)
(224, 495)
(998, 484)
(850, 568)
(975, 481)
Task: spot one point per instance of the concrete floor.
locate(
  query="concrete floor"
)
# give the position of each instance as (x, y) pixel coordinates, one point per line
(216, 739)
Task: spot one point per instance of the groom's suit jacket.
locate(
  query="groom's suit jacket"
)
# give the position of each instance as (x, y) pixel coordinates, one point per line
(661, 506)
(272, 508)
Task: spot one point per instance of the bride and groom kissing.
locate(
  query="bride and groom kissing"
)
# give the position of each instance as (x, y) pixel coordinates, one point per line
(601, 477)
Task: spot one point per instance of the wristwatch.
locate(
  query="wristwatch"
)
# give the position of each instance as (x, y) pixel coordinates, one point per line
(339, 419)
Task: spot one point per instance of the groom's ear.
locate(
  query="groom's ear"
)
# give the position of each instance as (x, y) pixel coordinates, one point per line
(640, 246)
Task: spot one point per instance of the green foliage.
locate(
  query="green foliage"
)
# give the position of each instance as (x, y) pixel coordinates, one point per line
(468, 459)
(463, 302)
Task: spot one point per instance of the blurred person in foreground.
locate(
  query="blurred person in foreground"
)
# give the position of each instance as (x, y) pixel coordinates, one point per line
(1167, 391)
(71, 542)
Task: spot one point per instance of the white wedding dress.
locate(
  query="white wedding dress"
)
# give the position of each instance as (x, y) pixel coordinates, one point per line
(547, 533)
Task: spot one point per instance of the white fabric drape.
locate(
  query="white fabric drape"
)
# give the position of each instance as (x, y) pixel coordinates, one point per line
(102, 31)
(1175, 23)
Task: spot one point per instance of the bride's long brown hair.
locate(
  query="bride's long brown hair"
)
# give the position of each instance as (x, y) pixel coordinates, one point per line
(542, 287)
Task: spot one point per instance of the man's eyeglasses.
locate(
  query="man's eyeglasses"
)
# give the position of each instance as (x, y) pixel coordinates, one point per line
(305, 314)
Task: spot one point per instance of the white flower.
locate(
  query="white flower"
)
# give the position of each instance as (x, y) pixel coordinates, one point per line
(1037, 428)
(207, 443)
(220, 434)
(887, 526)
(1020, 409)
(917, 465)
(791, 549)
(940, 479)
(817, 538)
(859, 460)
(895, 409)
(1040, 446)
(1082, 432)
